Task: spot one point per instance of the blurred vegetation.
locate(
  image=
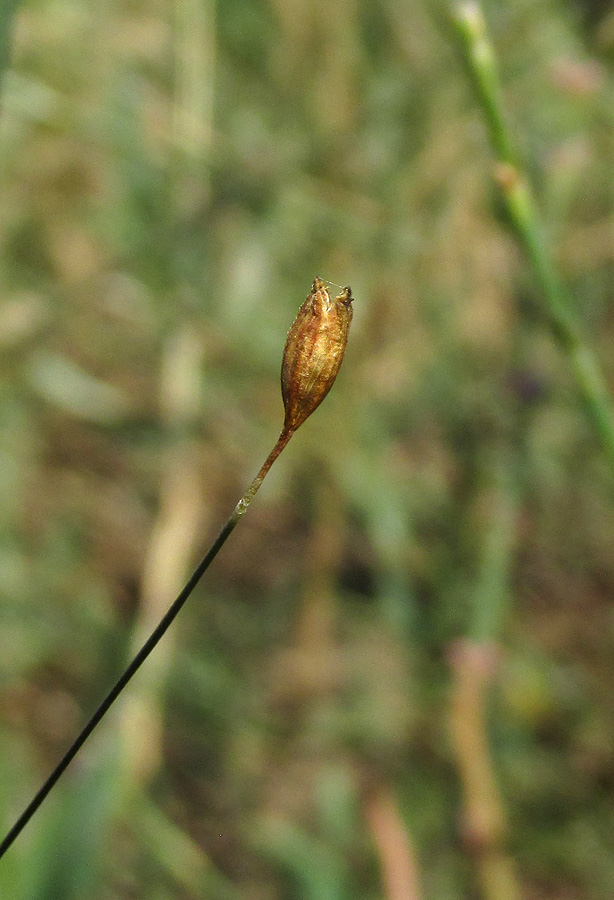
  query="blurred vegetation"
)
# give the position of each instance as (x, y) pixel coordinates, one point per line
(396, 679)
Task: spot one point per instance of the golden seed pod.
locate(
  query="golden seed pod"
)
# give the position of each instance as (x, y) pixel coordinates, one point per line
(314, 351)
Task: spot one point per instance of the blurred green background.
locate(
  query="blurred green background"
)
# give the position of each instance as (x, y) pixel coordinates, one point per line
(396, 680)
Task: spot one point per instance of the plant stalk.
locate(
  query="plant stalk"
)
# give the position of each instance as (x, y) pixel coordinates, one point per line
(518, 198)
(151, 642)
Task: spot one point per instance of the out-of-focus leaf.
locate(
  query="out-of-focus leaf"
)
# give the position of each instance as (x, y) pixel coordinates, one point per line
(7, 11)
(67, 852)
(66, 385)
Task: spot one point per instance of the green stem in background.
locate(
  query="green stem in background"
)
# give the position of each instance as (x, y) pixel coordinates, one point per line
(498, 503)
(148, 646)
(7, 12)
(520, 204)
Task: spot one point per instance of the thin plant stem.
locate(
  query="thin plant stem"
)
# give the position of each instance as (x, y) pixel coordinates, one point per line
(499, 502)
(484, 819)
(311, 360)
(474, 663)
(518, 198)
(394, 846)
(149, 644)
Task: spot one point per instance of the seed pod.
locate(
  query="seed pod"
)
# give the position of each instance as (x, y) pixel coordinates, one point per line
(314, 351)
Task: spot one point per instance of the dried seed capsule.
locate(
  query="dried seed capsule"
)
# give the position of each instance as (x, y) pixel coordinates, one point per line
(314, 351)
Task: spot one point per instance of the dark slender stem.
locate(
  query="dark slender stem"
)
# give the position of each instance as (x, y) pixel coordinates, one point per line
(148, 646)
